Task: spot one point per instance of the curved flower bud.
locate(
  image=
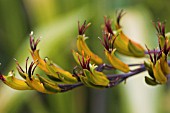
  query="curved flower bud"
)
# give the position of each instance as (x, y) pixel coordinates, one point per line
(122, 43)
(110, 53)
(115, 62)
(35, 54)
(82, 46)
(158, 73)
(164, 64)
(11, 81)
(163, 39)
(49, 85)
(160, 28)
(58, 73)
(150, 81)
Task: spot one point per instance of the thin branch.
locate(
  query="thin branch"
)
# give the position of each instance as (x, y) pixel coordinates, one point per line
(115, 79)
(152, 51)
(109, 67)
(69, 87)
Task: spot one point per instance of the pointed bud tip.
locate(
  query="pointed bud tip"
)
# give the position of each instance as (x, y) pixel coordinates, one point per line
(82, 28)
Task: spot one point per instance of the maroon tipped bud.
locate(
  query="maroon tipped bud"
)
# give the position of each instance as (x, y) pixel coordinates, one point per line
(26, 64)
(32, 69)
(160, 28)
(108, 25)
(83, 28)
(120, 14)
(18, 66)
(33, 43)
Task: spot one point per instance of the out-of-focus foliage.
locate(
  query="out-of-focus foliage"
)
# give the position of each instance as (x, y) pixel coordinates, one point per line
(56, 22)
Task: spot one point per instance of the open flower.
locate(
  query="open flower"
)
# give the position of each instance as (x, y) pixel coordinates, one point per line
(90, 77)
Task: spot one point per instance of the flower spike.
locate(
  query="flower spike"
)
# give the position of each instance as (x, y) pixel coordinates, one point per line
(91, 70)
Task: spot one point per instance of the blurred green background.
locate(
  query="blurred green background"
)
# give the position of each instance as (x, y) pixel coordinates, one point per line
(56, 21)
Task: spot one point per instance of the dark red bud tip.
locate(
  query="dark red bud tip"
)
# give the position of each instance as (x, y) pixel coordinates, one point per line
(120, 14)
(32, 68)
(108, 25)
(83, 28)
(160, 28)
(1, 77)
(33, 43)
(149, 53)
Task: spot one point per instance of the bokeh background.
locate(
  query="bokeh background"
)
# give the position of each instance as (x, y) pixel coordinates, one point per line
(56, 22)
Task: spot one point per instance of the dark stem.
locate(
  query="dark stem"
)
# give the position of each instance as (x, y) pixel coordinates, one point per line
(109, 67)
(152, 51)
(65, 88)
(115, 79)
